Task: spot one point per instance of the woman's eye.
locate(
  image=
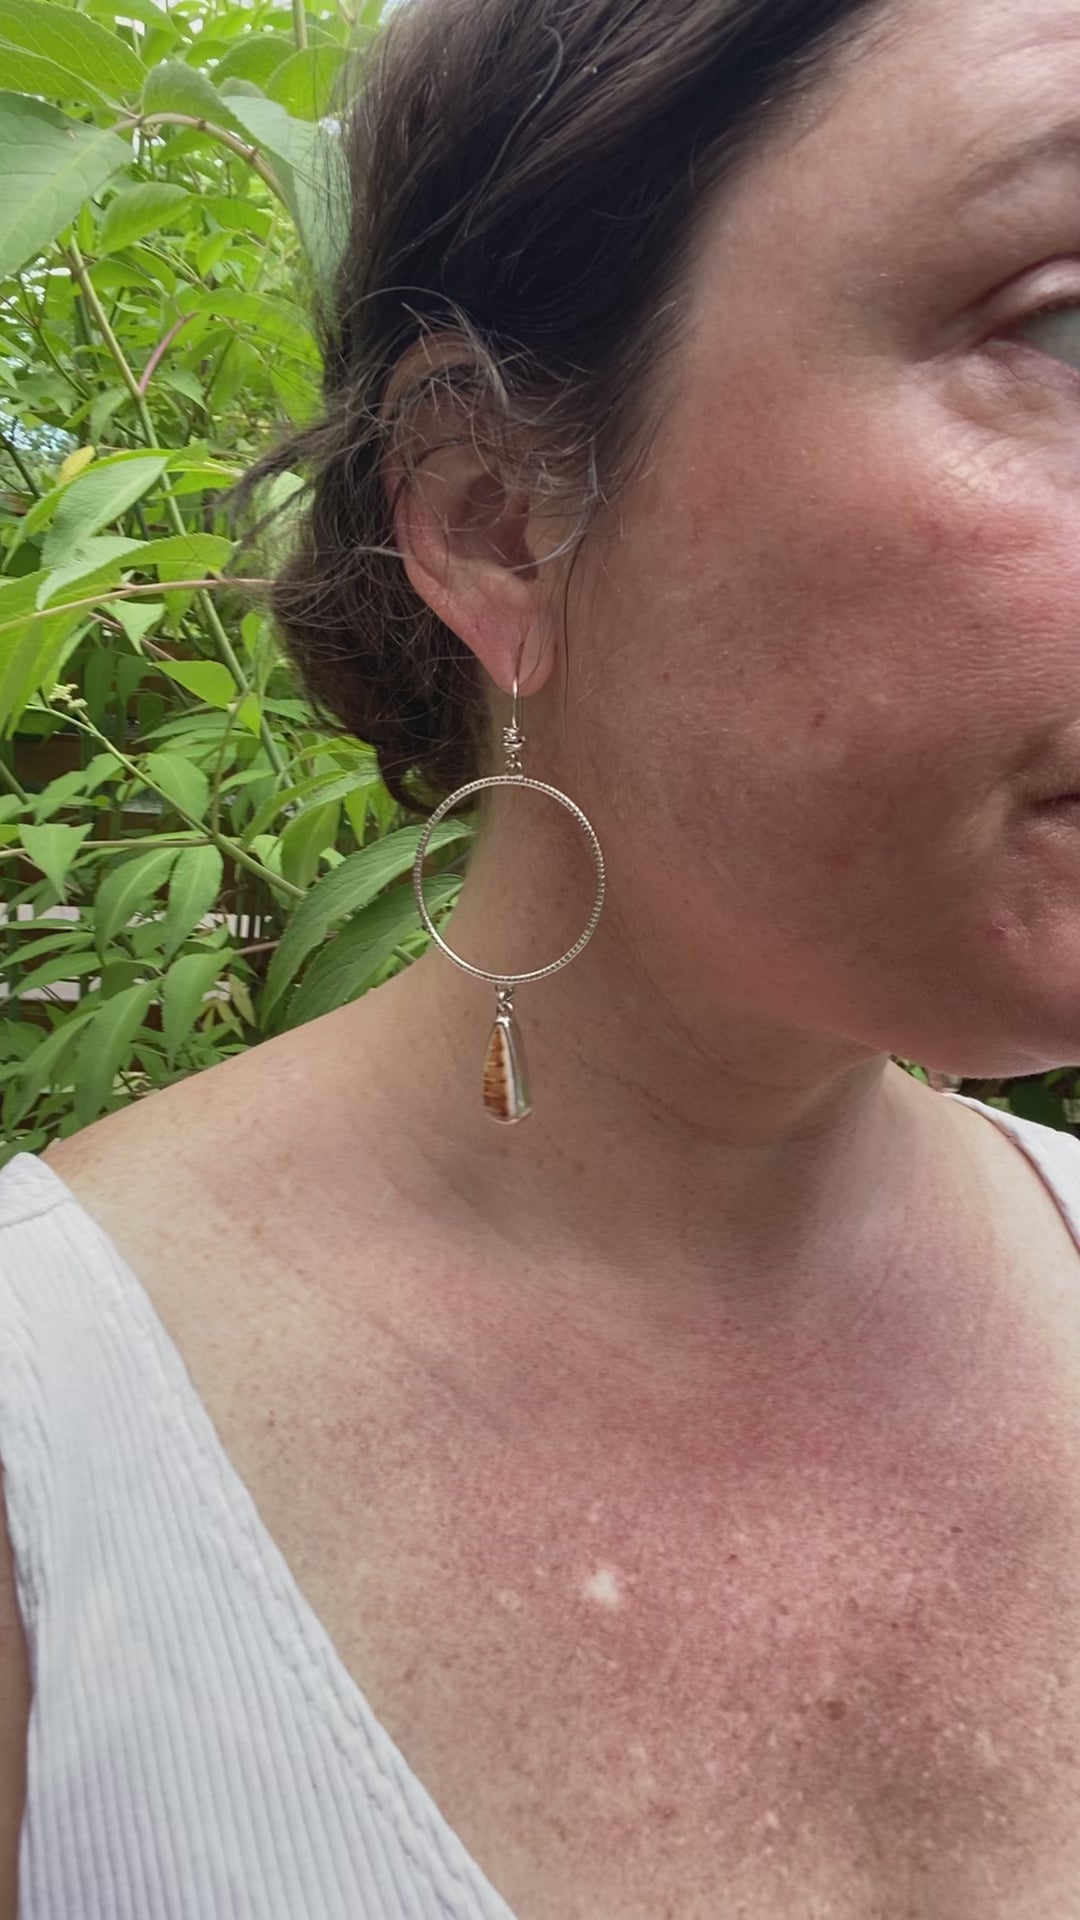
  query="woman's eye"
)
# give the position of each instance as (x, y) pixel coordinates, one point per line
(1055, 331)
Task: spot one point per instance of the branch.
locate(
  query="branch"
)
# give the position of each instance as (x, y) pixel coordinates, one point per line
(128, 593)
(74, 710)
(7, 779)
(159, 353)
(235, 145)
(16, 459)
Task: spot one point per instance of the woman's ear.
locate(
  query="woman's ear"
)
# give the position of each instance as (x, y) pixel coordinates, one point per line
(468, 539)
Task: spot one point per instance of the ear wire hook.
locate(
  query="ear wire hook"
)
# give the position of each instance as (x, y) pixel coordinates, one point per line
(513, 737)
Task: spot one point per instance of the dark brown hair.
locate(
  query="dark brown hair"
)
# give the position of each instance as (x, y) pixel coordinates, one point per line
(527, 178)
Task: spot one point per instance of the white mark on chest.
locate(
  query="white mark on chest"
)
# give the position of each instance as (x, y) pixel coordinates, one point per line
(603, 1588)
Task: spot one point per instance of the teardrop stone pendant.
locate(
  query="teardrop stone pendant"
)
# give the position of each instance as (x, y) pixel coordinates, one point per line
(506, 1081)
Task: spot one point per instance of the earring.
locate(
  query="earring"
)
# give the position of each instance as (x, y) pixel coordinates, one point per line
(505, 1078)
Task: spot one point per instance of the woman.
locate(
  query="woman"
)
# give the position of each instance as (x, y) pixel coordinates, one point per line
(668, 1504)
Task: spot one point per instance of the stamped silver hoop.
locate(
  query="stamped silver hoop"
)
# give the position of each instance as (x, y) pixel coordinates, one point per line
(505, 1083)
(453, 800)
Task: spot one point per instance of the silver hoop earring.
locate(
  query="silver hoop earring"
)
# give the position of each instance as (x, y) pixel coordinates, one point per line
(505, 1080)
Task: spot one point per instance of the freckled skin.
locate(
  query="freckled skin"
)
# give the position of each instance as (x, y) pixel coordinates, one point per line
(843, 1673)
(919, 567)
(845, 1659)
(692, 1483)
(847, 1630)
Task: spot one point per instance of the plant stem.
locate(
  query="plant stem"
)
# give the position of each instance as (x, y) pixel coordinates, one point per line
(221, 840)
(7, 778)
(235, 145)
(115, 846)
(16, 459)
(219, 763)
(203, 585)
(299, 24)
(34, 323)
(160, 350)
(173, 514)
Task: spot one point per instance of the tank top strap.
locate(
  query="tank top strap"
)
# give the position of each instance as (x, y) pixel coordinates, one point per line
(1054, 1154)
(196, 1749)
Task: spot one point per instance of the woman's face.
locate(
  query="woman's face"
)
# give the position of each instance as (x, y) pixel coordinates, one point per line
(833, 635)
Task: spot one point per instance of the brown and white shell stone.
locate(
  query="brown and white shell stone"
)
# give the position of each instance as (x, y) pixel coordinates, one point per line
(506, 1082)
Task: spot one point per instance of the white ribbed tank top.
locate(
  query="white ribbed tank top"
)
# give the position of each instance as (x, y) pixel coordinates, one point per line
(197, 1750)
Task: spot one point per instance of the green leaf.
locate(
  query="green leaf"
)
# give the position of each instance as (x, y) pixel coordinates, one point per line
(50, 165)
(145, 10)
(59, 793)
(43, 1067)
(309, 162)
(90, 54)
(321, 787)
(33, 73)
(31, 657)
(104, 405)
(306, 84)
(357, 808)
(63, 968)
(249, 713)
(239, 216)
(304, 839)
(91, 556)
(48, 943)
(232, 83)
(174, 87)
(256, 57)
(267, 848)
(43, 510)
(349, 887)
(178, 379)
(241, 999)
(1035, 1099)
(193, 889)
(26, 649)
(276, 321)
(187, 983)
(296, 390)
(94, 499)
(127, 889)
(17, 594)
(186, 556)
(137, 617)
(33, 650)
(195, 477)
(103, 766)
(350, 963)
(208, 680)
(137, 211)
(185, 784)
(53, 848)
(106, 1045)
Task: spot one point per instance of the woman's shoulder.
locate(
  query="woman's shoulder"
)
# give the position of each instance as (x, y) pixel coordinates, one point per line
(140, 1177)
(211, 1200)
(158, 1211)
(193, 1150)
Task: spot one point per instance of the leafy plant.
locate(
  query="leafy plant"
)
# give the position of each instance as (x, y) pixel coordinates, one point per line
(190, 862)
